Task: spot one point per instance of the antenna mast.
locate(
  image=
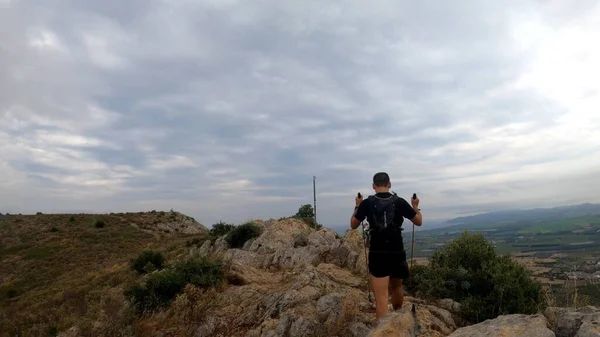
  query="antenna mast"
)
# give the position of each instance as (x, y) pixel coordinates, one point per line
(315, 199)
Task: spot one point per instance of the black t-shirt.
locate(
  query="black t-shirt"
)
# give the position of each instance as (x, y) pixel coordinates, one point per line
(392, 239)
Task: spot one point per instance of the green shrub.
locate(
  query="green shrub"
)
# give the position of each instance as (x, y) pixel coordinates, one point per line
(221, 228)
(161, 288)
(72, 219)
(100, 224)
(148, 261)
(469, 271)
(306, 213)
(240, 234)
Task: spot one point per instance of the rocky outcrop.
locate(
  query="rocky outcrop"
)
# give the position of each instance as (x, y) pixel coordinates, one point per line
(178, 222)
(571, 322)
(293, 280)
(296, 281)
(163, 223)
(508, 325)
(291, 244)
(415, 319)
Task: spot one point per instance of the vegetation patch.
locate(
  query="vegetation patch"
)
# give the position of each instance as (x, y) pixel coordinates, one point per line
(161, 288)
(148, 261)
(100, 224)
(221, 228)
(487, 285)
(238, 236)
(306, 213)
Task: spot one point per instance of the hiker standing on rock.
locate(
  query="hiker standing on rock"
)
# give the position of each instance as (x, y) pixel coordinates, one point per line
(387, 258)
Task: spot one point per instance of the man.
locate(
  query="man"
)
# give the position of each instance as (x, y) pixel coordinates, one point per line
(387, 258)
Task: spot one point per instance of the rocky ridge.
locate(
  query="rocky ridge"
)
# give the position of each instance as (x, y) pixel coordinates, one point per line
(297, 281)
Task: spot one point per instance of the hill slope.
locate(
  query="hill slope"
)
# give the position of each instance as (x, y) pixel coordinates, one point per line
(55, 269)
(63, 275)
(521, 218)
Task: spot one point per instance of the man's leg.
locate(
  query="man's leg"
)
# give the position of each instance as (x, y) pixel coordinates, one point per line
(397, 293)
(380, 289)
(399, 272)
(379, 276)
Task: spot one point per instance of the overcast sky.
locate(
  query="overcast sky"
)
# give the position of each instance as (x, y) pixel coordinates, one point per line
(225, 109)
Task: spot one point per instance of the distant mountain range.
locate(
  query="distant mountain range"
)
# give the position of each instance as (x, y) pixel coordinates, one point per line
(520, 217)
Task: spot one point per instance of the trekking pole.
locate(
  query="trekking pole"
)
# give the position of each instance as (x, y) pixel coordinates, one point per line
(366, 262)
(412, 246)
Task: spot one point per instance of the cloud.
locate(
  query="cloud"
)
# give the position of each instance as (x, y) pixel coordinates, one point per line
(226, 109)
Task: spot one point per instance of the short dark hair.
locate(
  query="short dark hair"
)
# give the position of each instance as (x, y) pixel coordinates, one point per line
(381, 179)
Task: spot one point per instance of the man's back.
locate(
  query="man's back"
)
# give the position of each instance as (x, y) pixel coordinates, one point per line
(387, 239)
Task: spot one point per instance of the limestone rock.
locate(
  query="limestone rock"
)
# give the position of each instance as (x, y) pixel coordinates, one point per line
(516, 325)
(205, 249)
(220, 244)
(401, 323)
(571, 322)
(423, 320)
(178, 222)
(449, 304)
(279, 235)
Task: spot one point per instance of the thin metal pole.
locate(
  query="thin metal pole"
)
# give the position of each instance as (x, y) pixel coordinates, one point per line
(315, 198)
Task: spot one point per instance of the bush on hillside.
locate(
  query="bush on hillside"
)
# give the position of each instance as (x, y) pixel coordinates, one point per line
(161, 288)
(487, 285)
(221, 228)
(100, 224)
(238, 236)
(148, 261)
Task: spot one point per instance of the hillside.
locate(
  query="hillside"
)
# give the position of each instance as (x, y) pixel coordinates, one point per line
(56, 269)
(61, 275)
(522, 218)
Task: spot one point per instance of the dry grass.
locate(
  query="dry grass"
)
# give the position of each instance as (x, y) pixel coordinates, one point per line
(183, 318)
(52, 279)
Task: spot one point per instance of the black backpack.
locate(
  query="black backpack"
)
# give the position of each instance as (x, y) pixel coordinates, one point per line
(383, 213)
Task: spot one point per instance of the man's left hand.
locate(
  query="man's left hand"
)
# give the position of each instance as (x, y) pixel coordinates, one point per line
(358, 200)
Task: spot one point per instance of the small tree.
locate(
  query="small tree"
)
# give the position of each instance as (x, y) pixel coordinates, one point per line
(305, 211)
(307, 214)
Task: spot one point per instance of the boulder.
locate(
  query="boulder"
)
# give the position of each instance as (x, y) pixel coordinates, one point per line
(449, 304)
(517, 325)
(572, 322)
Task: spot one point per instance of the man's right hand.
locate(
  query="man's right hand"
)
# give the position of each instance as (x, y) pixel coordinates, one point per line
(415, 202)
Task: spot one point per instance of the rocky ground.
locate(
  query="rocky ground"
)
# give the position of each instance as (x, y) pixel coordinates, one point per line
(296, 281)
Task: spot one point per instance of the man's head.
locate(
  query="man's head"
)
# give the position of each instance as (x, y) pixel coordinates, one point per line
(381, 182)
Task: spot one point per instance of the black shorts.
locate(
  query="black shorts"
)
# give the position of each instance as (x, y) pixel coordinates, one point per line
(392, 264)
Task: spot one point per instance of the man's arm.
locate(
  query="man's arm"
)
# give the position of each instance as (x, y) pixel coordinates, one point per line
(412, 212)
(418, 218)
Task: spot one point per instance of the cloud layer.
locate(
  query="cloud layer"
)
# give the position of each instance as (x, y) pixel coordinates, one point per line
(226, 109)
